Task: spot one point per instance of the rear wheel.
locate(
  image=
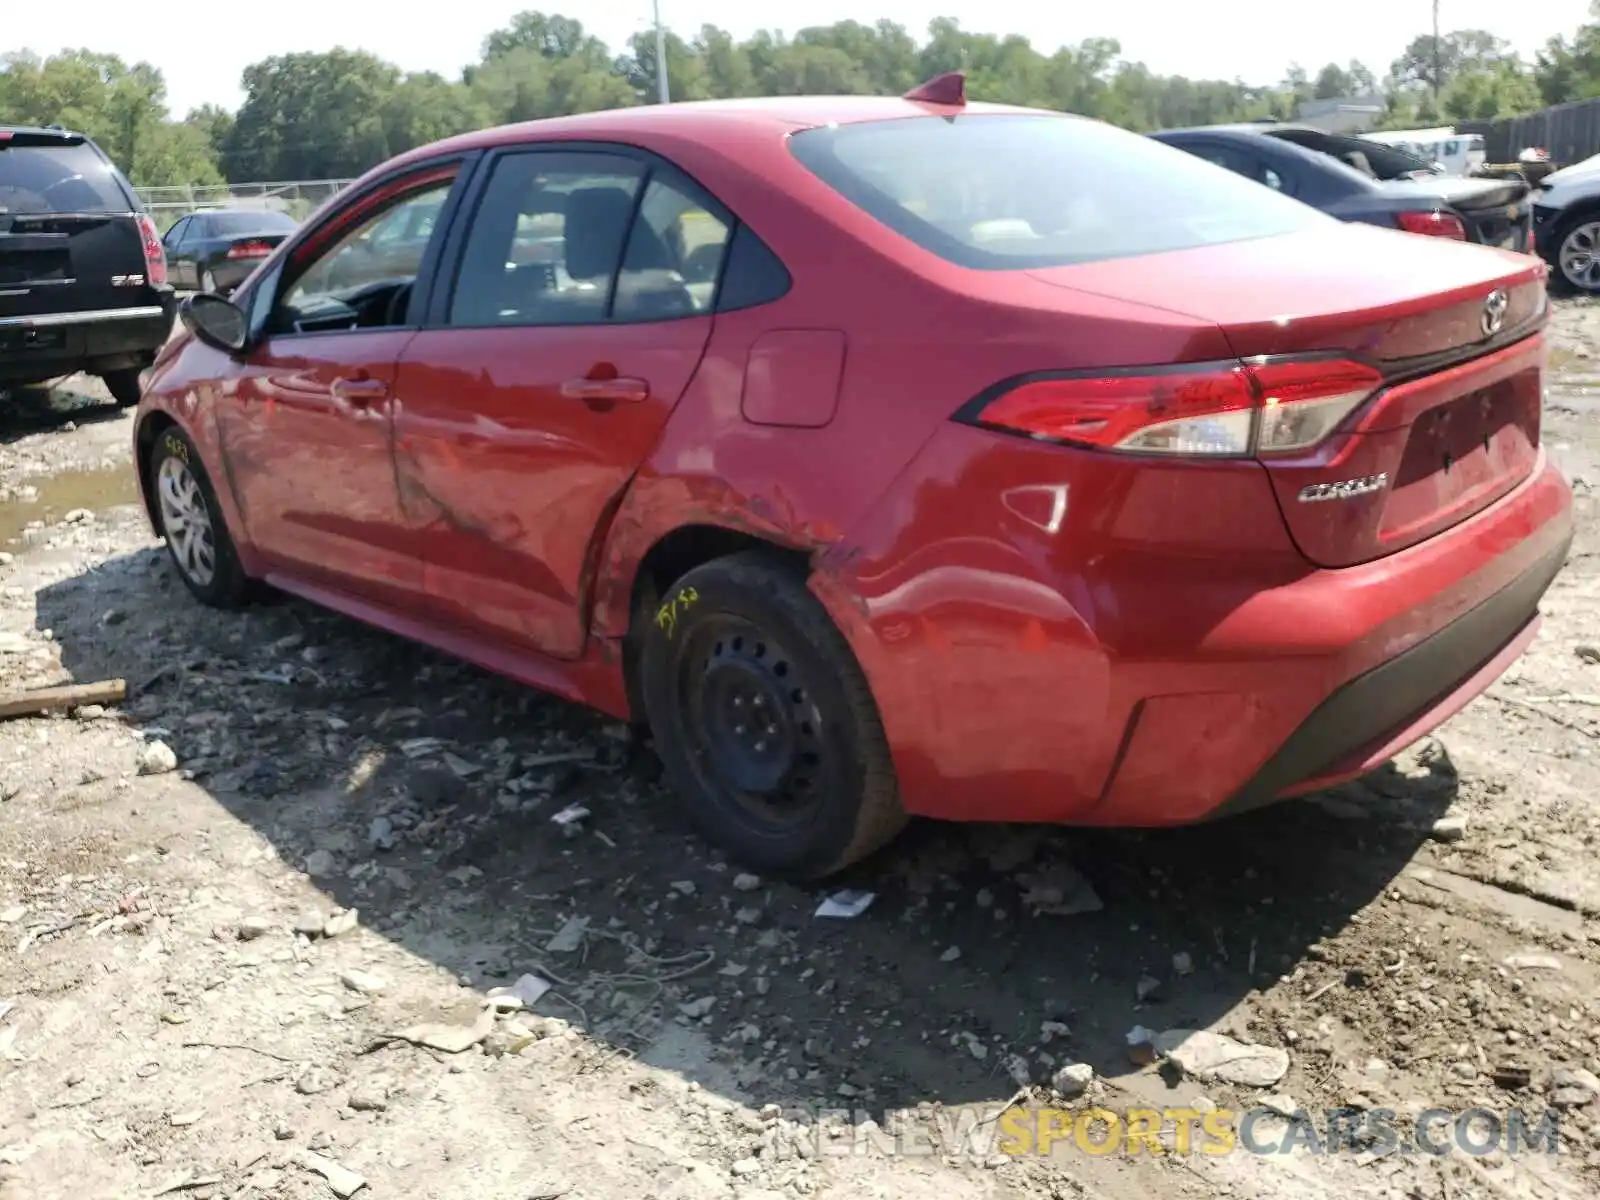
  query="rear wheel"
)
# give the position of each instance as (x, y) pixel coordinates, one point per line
(123, 386)
(764, 721)
(1578, 253)
(191, 521)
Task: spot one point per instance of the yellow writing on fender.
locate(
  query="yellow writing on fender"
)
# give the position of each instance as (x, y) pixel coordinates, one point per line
(1100, 1131)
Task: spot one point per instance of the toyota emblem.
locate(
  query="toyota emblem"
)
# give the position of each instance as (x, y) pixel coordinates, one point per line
(1494, 312)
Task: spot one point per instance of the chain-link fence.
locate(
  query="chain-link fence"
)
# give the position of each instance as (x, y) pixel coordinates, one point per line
(298, 198)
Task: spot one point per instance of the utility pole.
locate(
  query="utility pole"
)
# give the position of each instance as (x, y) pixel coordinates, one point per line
(1436, 71)
(661, 49)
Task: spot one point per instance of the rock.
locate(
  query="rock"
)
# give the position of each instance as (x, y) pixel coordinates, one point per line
(89, 712)
(253, 927)
(452, 1039)
(313, 1082)
(1589, 654)
(320, 862)
(184, 1119)
(1147, 988)
(1533, 962)
(364, 982)
(340, 922)
(1573, 1087)
(157, 758)
(746, 882)
(1283, 1105)
(684, 887)
(381, 833)
(1073, 1079)
(569, 937)
(1182, 964)
(1449, 829)
(1464, 1071)
(283, 1131)
(746, 1166)
(1059, 890)
(311, 924)
(1513, 1077)
(342, 1181)
(369, 1099)
(950, 955)
(1205, 1056)
(695, 1009)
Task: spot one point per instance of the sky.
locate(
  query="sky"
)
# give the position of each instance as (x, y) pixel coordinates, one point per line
(1253, 40)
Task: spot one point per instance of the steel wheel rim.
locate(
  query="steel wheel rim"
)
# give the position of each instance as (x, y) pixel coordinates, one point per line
(1580, 256)
(753, 732)
(186, 521)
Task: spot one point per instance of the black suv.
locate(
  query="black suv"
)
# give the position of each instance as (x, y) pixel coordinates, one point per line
(83, 277)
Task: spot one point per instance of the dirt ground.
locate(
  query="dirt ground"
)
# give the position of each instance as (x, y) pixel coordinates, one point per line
(205, 954)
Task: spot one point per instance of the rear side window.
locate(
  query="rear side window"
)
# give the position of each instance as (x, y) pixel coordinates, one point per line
(60, 177)
(1017, 191)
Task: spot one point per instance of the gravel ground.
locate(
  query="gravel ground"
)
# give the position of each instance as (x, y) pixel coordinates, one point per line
(222, 900)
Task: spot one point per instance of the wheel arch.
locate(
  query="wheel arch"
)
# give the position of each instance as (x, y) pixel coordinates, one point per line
(151, 426)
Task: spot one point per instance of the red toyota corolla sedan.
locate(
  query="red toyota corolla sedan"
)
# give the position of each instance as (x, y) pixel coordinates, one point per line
(886, 456)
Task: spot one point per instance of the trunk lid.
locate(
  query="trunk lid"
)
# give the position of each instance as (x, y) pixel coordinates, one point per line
(1455, 425)
(1497, 212)
(69, 262)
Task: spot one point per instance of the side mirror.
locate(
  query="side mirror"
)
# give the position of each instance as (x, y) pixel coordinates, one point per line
(217, 322)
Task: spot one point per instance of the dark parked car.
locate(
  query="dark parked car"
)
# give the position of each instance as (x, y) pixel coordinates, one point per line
(1566, 223)
(1357, 180)
(888, 456)
(216, 251)
(83, 279)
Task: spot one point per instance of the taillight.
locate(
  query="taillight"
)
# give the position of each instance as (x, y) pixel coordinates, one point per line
(155, 256)
(1433, 224)
(249, 249)
(1216, 409)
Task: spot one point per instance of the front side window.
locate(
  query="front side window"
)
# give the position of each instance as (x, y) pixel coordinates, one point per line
(997, 192)
(364, 278)
(584, 237)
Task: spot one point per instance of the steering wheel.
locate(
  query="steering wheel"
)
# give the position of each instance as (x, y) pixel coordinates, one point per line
(394, 312)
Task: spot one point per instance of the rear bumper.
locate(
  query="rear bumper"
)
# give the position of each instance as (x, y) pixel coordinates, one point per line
(45, 345)
(1425, 631)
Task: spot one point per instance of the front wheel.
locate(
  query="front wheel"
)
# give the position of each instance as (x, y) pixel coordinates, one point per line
(190, 520)
(1578, 253)
(764, 721)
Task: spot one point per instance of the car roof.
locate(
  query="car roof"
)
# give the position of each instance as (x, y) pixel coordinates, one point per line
(58, 131)
(1250, 127)
(711, 120)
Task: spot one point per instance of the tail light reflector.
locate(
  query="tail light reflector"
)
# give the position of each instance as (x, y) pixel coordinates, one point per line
(155, 255)
(1433, 224)
(1210, 410)
(249, 250)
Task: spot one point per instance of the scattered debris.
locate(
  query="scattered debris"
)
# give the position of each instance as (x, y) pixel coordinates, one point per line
(572, 814)
(253, 927)
(1207, 1056)
(1059, 890)
(341, 922)
(846, 904)
(1182, 963)
(451, 1039)
(342, 1181)
(1147, 988)
(1073, 1080)
(58, 699)
(157, 758)
(1142, 1045)
(362, 981)
(527, 991)
(1449, 829)
(1533, 962)
(569, 937)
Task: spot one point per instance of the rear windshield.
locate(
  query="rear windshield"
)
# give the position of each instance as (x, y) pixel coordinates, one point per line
(259, 220)
(1008, 191)
(57, 179)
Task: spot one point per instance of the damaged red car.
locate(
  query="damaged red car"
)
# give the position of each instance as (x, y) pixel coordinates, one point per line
(885, 456)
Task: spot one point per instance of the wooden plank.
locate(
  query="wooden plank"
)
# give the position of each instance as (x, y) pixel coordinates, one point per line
(51, 699)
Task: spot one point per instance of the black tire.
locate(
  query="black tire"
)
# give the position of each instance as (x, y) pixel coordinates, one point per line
(174, 459)
(810, 788)
(123, 386)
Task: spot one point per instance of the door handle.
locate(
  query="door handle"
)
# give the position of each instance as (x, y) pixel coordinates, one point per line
(621, 388)
(359, 392)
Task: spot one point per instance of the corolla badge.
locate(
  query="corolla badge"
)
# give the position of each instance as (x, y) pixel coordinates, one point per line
(1345, 489)
(1494, 312)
